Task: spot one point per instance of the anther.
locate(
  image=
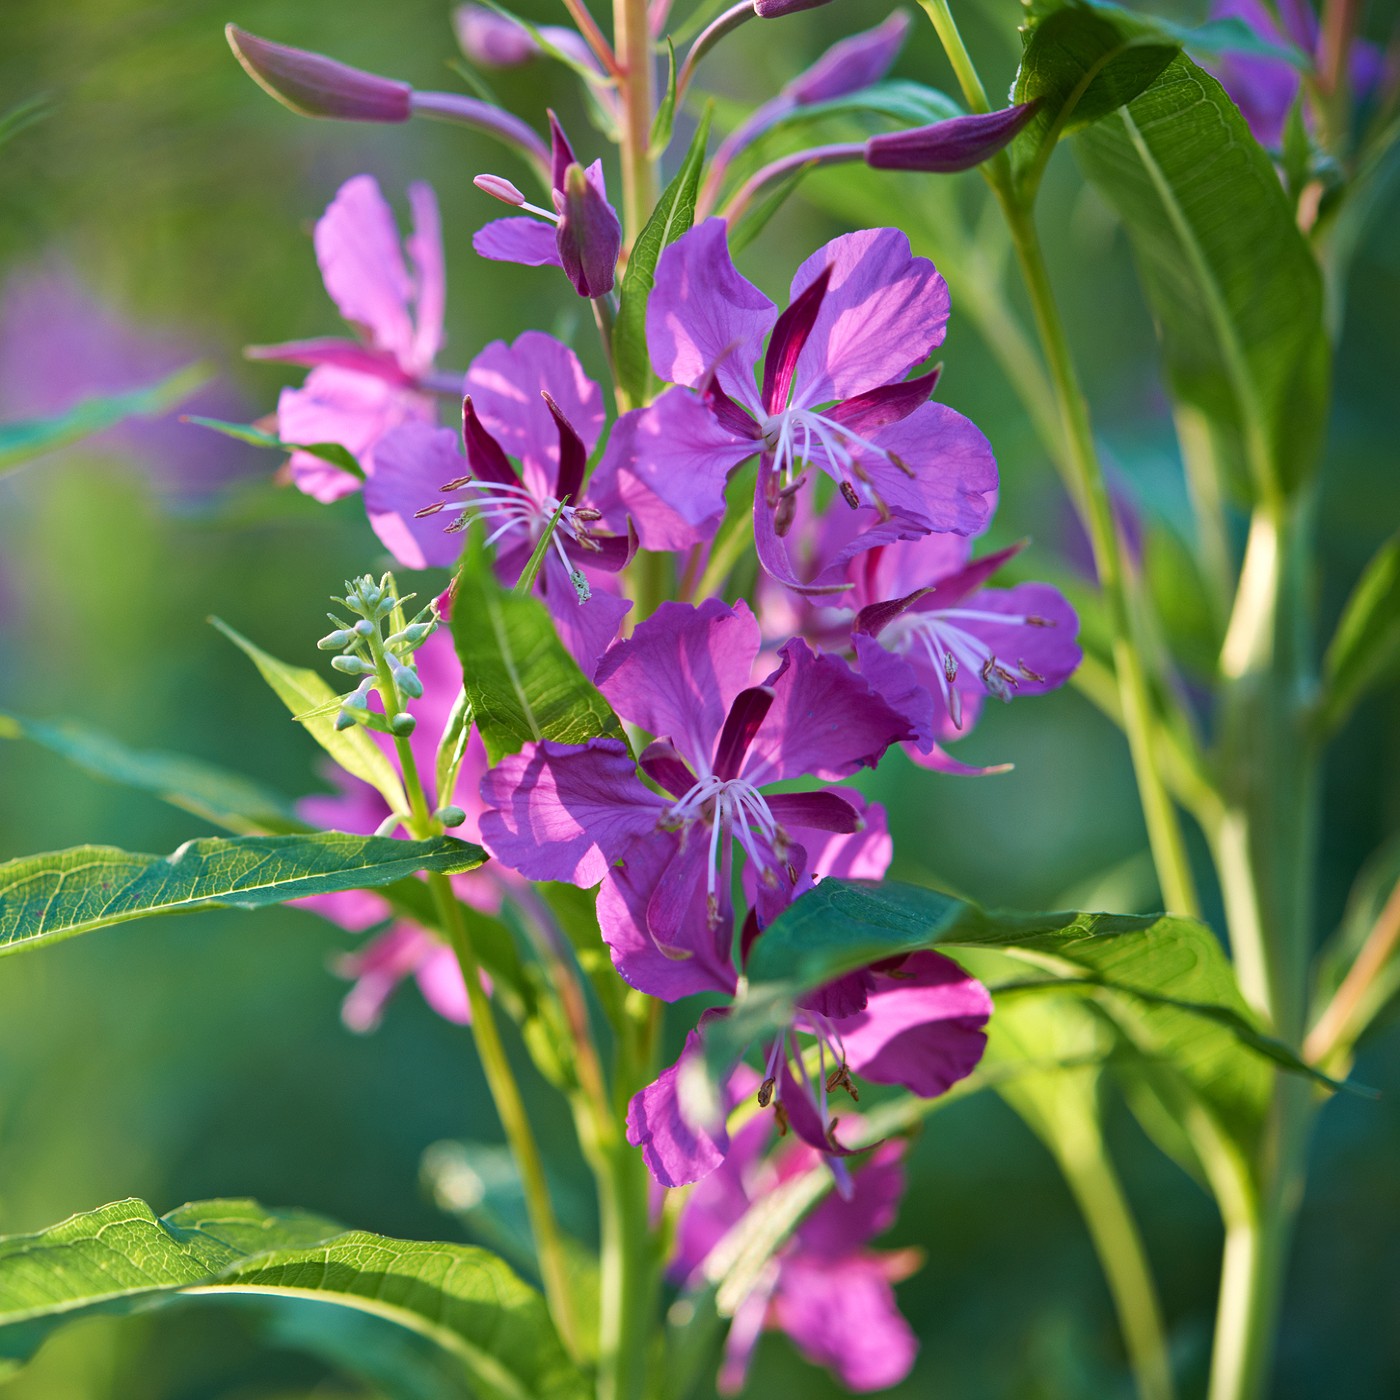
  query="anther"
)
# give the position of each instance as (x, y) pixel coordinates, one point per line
(848, 493)
(429, 510)
(1028, 673)
(765, 1092)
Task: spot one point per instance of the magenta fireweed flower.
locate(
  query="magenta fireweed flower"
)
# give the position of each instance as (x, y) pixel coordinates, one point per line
(586, 236)
(358, 390)
(825, 1288)
(404, 949)
(530, 401)
(834, 398)
(927, 633)
(570, 812)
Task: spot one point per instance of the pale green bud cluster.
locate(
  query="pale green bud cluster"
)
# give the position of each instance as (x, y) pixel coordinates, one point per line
(383, 663)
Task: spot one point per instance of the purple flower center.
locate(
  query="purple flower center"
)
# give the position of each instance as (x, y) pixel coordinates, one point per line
(789, 436)
(736, 810)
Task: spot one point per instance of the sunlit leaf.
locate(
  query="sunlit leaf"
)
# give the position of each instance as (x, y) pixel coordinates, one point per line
(57, 895)
(122, 1259)
(331, 452)
(1365, 649)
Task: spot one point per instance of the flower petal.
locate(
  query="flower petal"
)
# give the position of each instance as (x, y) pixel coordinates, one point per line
(675, 1153)
(703, 316)
(424, 246)
(520, 239)
(921, 1027)
(884, 311)
(588, 628)
(357, 248)
(678, 673)
(411, 464)
(566, 811)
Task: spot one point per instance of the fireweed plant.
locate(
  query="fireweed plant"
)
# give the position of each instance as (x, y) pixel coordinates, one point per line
(608, 767)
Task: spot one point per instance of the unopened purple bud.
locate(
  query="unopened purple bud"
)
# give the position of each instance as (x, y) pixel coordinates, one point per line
(852, 64)
(776, 9)
(947, 146)
(589, 237)
(499, 188)
(490, 39)
(316, 86)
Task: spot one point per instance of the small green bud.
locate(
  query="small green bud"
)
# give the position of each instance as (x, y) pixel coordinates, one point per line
(352, 665)
(335, 641)
(406, 678)
(412, 636)
(403, 724)
(344, 720)
(451, 816)
(364, 627)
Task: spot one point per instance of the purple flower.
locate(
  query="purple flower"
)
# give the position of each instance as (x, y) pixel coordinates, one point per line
(1264, 88)
(572, 812)
(358, 390)
(586, 236)
(958, 143)
(403, 950)
(928, 634)
(530, 401)
(494, 40)
(829, 1292)
(833, 397)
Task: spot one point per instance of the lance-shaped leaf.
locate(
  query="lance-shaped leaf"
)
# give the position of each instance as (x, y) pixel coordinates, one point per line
(1232, 284)
(310, 698)
(123, 1259)
(1081, 63)
(673, 216)
(520, 683)
(250, 433)
(1365, 649)
(57, 895)
(27, 438)
(225, 799)
(1164, 979)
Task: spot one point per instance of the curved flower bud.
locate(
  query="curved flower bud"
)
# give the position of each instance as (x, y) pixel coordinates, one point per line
(959, 143)
(776, 9)
(589, 234)
(315, 86)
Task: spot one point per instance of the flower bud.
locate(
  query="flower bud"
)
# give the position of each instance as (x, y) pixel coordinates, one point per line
(403, 724)
(852, 64)
(491, 40)
(451, 816)
(947, 146)
(316, 86)
(352, 665)
(776, 9)
(335, 641)
(590, 236)
(499, 188)
(406, 678)
(364, 627)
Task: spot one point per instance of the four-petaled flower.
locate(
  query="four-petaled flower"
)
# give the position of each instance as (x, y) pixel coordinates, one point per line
(833, 398)
(358, 390)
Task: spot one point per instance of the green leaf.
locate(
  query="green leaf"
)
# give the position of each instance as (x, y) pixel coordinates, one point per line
(908, 103)
(122, 1259)
(525, 584)
(24, 114)
(521, 684)
(674, 214)
(1164, 980)
(20, 441)
(1231, 282)
(331, 452)
(48, 897)
(1081, 63)
(226, 799)
(1365, 649)
(315, 705)
(665, 117)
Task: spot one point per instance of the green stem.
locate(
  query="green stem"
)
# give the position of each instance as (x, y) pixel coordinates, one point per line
(1105, 1209)
(510, 1107)
(946, 27)
(632, 40)
(1086, 481)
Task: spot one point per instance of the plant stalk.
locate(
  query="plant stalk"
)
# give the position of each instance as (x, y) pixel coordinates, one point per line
(632, 39)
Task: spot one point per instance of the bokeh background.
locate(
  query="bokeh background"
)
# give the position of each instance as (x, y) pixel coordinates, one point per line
(161, 213)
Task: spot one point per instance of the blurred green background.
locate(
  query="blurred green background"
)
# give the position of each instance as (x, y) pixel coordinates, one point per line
(181, 1059)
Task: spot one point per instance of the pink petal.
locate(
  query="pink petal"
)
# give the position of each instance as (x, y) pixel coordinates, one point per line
(566, 811)
(675, 1153)
(703, 316)
(587, 629)
(357, 247)
(411, 464)
(678, 673)
(430, 276)
(921, 1027)
(521, 239)
(884, 311)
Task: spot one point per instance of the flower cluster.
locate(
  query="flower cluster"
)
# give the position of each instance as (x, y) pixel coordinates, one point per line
(873, 624)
